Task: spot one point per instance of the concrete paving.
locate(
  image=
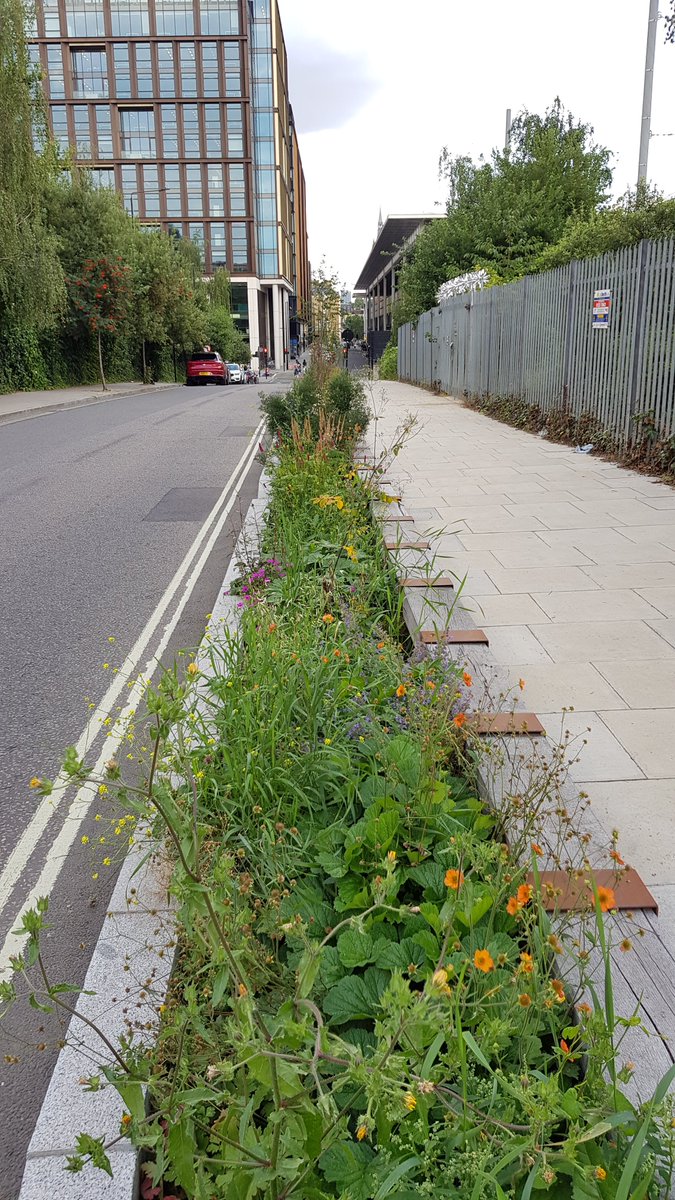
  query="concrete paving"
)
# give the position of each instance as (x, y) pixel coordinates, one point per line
(570, 568)
(15, 405)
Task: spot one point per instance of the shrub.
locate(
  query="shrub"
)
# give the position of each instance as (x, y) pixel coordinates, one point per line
(318, 394)
(388, 366)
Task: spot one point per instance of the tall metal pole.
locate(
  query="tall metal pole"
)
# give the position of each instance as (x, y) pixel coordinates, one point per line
(645, 130)
(507, 135)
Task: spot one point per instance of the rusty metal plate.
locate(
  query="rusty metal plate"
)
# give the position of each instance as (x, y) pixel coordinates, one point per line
(441, 582)
(564, 893)
(454, 637)
(407, 545)
(397, 520)
(507, 724)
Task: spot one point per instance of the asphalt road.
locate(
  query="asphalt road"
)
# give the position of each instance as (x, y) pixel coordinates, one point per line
(98, 507)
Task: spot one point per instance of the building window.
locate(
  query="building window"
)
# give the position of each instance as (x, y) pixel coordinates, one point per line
(264, 152)
(137, 128)
(130, 190)
(214, 148)
(55, 75)
(263, 124)
(195, 204)
(174, 17)
(144, 88)
(104, 131)
(151, 191)
(90, 72)
(232, 69)
(174, 207)
(59, 116)
(103, 178)
(191, 130)
(196, 234)
(167, 82)
(235, 131)
(265, 182)
(188, 69)
(219, 16)
(237, 190)
(169, 130)
(239, 244)
(122, 72)
(210, 70)
(50, 9)
(82, 134)
(84, 18)
(129, 18)
(215, 190)
(268, 264)
(262, 95)
(266, 207)
(218, 245)
(267, 237)
(262, 64)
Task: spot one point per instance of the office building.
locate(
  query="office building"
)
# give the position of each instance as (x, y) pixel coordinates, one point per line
(379, 278)
(183, 106)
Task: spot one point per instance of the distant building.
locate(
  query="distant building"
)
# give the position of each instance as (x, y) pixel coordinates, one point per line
(183, 107)
(378, 281)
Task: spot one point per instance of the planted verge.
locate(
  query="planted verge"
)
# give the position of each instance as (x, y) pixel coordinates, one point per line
(369, 1000)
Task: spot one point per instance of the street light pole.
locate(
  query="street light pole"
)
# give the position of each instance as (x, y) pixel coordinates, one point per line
(645, 130)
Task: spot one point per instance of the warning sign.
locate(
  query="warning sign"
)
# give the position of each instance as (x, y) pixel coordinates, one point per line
(602, 306)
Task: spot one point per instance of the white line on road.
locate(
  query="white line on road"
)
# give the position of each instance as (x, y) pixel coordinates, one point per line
(20, 856)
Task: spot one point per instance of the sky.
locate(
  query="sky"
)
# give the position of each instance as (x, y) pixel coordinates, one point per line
(379, 87)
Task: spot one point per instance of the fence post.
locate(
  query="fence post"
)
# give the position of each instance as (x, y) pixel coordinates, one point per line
(523, 323)
(638, 330)
(567, 353)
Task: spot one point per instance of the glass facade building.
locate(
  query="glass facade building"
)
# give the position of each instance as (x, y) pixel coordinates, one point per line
(183, 107)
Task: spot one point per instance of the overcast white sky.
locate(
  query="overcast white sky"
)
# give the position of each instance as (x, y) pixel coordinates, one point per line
(380, 86)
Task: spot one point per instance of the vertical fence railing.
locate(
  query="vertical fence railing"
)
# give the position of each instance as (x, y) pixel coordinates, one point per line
(535, 339)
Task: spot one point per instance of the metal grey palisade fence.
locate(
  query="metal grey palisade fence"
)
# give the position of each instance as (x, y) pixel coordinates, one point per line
(535, 339)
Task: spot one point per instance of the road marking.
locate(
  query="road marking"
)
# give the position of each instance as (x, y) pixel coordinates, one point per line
(48, 807)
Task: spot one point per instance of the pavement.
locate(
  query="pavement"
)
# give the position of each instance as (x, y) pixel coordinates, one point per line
(101, 507)
(570, 569)
(25, 404)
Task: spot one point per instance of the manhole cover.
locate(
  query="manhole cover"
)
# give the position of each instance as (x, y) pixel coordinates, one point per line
(185, 504)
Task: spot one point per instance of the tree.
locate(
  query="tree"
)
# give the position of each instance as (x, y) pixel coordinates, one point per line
(163, 299)
(326, 309)
(670, 23)
(99, 296)
(502, 214)
(639, 214)
(32, 290)
(353, 321)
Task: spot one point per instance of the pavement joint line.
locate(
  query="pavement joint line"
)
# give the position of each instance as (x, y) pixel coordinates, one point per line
(79, 1186)
(43, 410)
(79, 806)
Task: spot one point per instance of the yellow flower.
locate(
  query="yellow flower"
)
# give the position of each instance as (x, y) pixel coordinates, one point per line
(483, 961)
(243, 990)
(106, 862)
(391, 855)
(440, 978)
(361, 1133)
(410, 1102)
(85, 840)
(600, 1173)
(111, 640)
(35, 782)
(339, 503)
(521, 684)
(199, 774)
(102, 789)
(327, 741)
(351, 553)
(192, 668)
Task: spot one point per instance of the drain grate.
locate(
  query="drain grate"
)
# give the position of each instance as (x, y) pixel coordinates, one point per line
(185, 504)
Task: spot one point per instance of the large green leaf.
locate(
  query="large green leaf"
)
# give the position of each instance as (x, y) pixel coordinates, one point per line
(355, 948)
(182, 1149)
(404, 754)
(346, 1164)
(397, 956)
(356, 997)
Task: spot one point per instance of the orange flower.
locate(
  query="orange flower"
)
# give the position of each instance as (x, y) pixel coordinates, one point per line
(524, 894)
(380, 645)
(468, 679)
(559, 990)
(483, 961)
(563, 1046)
(614, 854)
(600, 1173)
(526, 963)
(625, 945)
(585, 1009)
(271, 627)
(460, 720)
(431, 685)
(536, 848)
(327, 619)
(524, 1000)
(606, 899)
(513, 906)
(454, 879)
(521, 684)
(337, 653)
(401, 690)
(324, 658)
(361, 1133)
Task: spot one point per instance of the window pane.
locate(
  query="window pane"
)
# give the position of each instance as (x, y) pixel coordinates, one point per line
(130, 190)
(122, 72)
(174, 16)
(191, 130)
(104, 131)
(235, 131)
(213, 136)
(137, 127)
(151, 191)
(84, 18)
(232, 69)
(268, 264)
(172, 185)
(188, 69)
(103, 179)
(239, 244)
(59, 118)
(129, 18)
(215, 189)
(264, 152)
(196, 234)
(262, 95)
(266, 209)
(218, 244)
(266, 184)
(193, 177)
(169, 130)
(51, 16)
(267, 237)
(263, 124)
(210, 69)
(90, 71)
(219, 16)
(82, 135)
(167, 83)
(144, 70)
(237, 191)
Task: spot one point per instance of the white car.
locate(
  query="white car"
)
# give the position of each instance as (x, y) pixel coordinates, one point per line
(235, 373)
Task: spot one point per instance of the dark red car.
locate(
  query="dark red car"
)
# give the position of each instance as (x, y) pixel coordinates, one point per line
(206, 366)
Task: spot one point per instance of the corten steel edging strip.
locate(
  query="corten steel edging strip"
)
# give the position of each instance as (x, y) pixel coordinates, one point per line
(407, 545)
(642, 978)
(561, 892)
(396, 520)
(443, 581)
(506, 724)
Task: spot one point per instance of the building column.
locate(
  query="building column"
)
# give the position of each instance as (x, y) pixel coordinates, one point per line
(253, 288)
(278, 325)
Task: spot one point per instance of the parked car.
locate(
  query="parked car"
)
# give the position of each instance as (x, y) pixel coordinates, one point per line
(206, 366)
(235, 373)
